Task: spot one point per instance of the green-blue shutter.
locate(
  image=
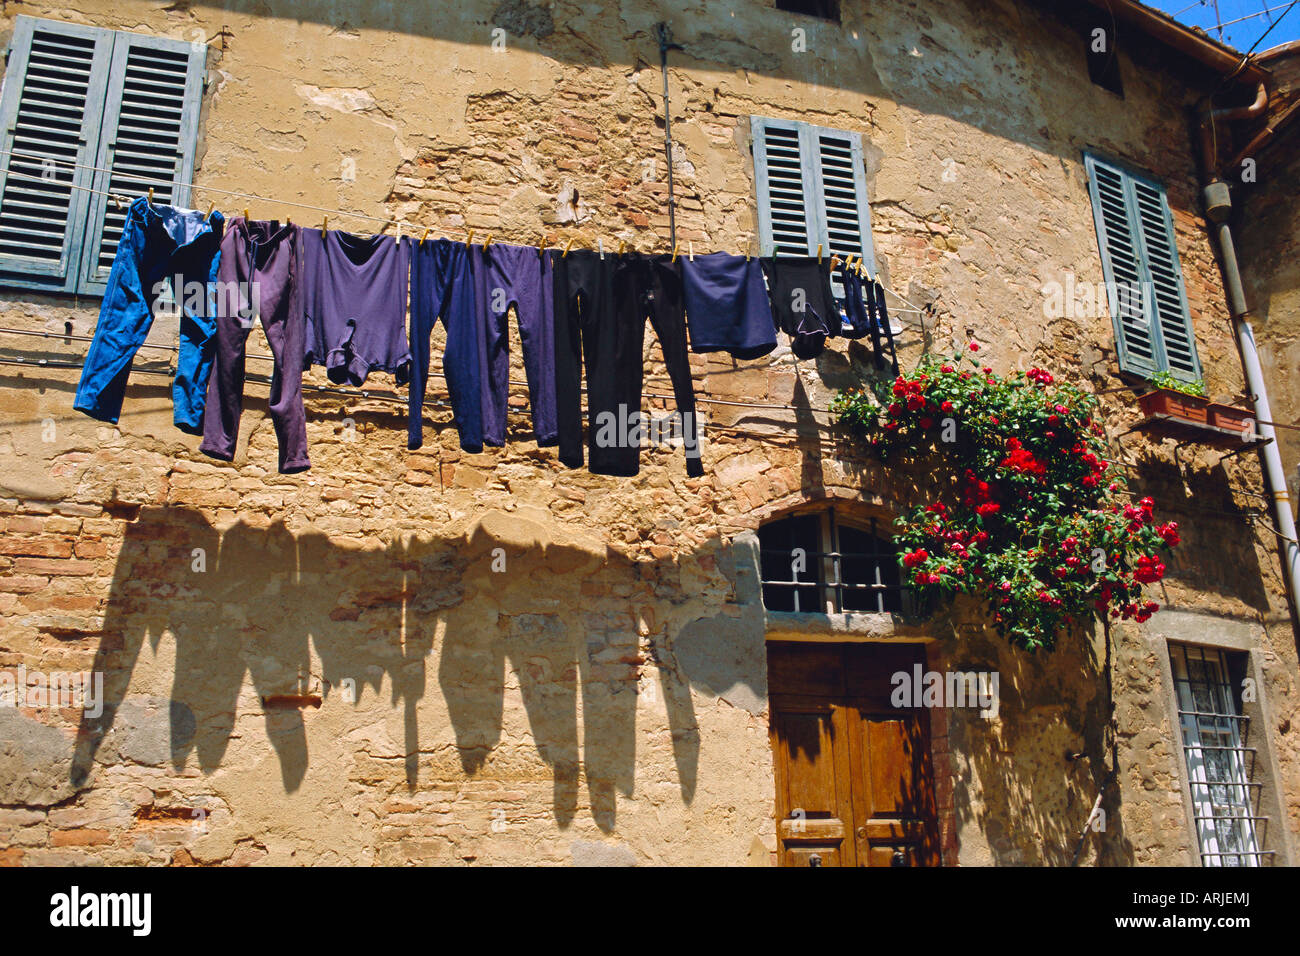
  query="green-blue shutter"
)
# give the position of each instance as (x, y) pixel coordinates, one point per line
(1173, 318)
(843, 212)
(1148, 304)
(811, 188)
(51, 109)
(151, 116)
(782, 175)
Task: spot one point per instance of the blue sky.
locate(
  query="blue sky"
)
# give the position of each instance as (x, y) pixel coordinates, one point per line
(1239, 35)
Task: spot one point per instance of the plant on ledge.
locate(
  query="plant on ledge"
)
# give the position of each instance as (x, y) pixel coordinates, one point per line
(1167, 381)
(1025, 510)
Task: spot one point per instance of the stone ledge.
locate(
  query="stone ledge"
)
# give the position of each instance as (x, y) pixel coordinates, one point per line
(801, 626)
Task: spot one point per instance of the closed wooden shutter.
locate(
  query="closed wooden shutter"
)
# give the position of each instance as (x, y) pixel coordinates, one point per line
(1148, 304)
(1174, 321)
(786, 219)
(51, 110)
(841, 196)
(812, 191)
(150, 126)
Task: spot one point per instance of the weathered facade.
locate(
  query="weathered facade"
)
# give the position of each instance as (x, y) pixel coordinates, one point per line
(596, 690)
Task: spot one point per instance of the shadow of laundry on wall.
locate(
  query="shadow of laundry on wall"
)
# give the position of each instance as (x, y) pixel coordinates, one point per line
(289, 610)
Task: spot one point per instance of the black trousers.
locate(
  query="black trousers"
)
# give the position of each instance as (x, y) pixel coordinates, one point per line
(601, 307)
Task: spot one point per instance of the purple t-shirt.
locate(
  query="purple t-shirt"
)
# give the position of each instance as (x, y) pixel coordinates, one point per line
(354, 296)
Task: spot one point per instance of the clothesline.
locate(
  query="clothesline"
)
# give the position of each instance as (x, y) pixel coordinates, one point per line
(168, 184)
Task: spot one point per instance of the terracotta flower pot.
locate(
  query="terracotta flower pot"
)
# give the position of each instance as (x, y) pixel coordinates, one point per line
(1165, 401)
(1230, 417)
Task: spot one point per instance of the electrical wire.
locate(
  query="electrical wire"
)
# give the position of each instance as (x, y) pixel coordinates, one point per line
(1279, 19)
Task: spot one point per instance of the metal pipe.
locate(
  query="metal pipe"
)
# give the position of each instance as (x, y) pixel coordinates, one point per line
(665, 44)
(1255, 108)
(1263, 136)
(1274, 473)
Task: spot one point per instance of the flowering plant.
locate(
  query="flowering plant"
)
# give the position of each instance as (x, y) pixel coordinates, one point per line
(1025, 510)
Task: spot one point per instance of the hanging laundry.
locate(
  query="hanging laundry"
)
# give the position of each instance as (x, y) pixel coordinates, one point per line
(650, 288)
(727, 308)
(880, 325)
(601, 307)
(857, 320)
(805, 309)
(521, 276)
(258, 279)
(163, 248)
(442, 286)
(586, 327)
(354, 297)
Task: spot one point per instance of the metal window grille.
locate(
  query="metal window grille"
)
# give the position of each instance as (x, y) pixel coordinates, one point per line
(813, 563)
(1220, 762)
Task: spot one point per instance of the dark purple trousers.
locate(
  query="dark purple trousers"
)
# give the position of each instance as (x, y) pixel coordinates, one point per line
(257, 279)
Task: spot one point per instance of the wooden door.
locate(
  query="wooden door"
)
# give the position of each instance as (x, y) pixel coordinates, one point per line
(854, 785)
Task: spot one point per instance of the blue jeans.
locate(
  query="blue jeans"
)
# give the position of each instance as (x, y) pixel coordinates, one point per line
(161, 246)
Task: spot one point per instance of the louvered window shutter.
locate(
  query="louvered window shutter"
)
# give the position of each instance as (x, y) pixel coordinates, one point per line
(841, 197)
(1169, 298)
(812, 190)
(1144, 282)
(786, 217)
(151, 114)
(51, 111)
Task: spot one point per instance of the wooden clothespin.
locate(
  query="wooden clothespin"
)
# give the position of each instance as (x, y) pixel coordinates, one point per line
(487, 242)
(469, 239)
(568, 245)
(819, 253)
(151, 195)
(674, 258)
(835, 263)
(246, 216)
(325, 225)
(425, 236)
(211, 206)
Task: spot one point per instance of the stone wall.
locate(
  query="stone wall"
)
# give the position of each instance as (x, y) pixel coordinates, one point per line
(494, 659)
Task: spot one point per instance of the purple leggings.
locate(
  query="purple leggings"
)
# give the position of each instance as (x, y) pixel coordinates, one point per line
(255, 279)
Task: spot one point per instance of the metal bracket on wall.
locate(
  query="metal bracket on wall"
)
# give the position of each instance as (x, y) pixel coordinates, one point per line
(1257, 441)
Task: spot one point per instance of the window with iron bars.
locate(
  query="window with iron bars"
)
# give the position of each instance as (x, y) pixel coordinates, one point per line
(1220, 763)
(817, 563)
